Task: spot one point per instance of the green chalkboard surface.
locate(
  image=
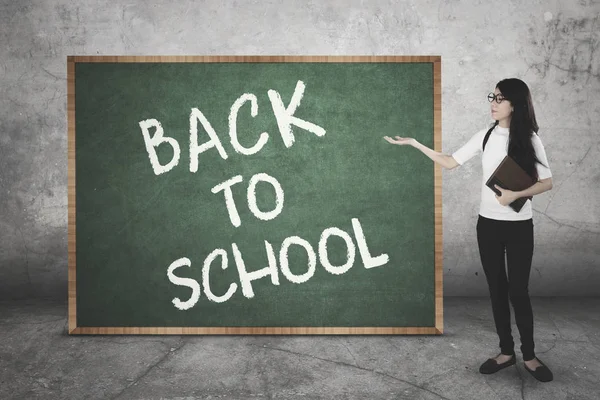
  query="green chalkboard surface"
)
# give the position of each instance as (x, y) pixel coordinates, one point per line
(253, 195)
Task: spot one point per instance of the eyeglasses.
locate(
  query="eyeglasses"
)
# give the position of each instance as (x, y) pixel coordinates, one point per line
(499, 98)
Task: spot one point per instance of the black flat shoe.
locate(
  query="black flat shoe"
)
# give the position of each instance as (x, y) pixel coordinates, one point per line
(491, 366)
(541, 373)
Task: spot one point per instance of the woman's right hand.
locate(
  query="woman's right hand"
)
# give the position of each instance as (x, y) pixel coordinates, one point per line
(402, 141)
(444, 160)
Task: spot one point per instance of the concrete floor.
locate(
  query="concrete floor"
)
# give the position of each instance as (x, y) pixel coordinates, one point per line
(39, 360)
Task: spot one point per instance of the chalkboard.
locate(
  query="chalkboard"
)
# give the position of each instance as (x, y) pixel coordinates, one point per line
(254, 195)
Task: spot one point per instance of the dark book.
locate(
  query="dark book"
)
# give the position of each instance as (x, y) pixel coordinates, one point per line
(509, 175)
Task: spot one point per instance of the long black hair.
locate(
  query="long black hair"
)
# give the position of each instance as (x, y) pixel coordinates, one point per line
(523, 124)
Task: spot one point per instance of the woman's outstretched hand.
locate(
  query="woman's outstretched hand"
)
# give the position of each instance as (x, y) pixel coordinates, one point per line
(401, 140)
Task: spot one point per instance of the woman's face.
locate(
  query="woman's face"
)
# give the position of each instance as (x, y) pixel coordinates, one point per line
(501, 111)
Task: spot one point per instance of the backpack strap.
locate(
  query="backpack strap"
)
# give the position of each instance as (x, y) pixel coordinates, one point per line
(487, 136)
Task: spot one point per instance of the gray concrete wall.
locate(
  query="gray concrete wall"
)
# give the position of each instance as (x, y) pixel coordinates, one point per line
(551, 45)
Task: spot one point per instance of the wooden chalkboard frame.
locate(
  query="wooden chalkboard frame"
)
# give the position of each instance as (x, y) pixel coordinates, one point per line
(72, 307)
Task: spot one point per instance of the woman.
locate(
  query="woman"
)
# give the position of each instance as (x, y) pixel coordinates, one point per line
(501, 230)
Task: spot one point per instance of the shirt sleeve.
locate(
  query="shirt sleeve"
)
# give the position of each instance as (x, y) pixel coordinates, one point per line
(470, 149)
(542, 170)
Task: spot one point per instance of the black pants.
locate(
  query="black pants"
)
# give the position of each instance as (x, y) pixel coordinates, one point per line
(515, 238)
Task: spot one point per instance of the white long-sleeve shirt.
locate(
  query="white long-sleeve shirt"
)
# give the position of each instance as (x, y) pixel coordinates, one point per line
(496, 149)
